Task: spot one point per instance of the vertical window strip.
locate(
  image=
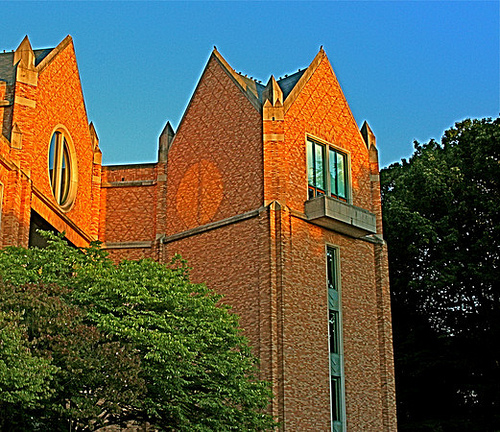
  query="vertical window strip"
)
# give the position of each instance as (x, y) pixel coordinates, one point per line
(334, 334)
(333, 172)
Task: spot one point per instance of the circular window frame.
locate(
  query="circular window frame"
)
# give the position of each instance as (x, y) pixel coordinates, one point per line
(72, 178)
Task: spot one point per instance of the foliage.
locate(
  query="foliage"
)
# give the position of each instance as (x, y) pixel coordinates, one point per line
(132, 342)
(96, 377)
(442, 225)
(24, 378)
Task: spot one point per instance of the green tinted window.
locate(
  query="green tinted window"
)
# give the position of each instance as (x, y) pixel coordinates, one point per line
(326, 171)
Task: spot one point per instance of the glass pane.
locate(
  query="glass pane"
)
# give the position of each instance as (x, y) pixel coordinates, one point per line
(333, 321)
(332, 161)
(310, 164)
(52, 152)
(335, 399)
(341, 176)
(65, 172)
(319, 166)
(330, 263)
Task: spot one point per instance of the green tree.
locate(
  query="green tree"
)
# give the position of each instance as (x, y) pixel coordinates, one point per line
(442, 225)
(189, 366)
(94, 380)
(25, 378)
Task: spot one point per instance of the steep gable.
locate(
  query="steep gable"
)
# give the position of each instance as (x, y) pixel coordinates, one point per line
(47, 98)
(215, 160)
(317, 108)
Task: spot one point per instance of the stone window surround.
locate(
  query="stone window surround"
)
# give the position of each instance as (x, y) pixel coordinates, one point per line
(347, 168)
(69, 199)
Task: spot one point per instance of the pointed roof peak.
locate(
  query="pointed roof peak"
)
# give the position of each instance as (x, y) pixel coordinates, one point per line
(368, 135)
(168, 129)
(54, 52)
(273, 92)
(93, 136)
(300, 78)
(228, 67)
(283, 90)
(165, 141)
(25, 43)
(248, 85)
(24, 54)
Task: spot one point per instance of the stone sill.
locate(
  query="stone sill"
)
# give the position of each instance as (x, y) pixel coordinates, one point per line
(339, 216)
(131, 183)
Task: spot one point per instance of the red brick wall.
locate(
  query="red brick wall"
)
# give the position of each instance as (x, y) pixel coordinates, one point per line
(234, 261)
(14, 226)
(215, 162)
(59, 101)
(227, 260)
(306, 333)
(272, 269)
(322, 111)
(128, 208)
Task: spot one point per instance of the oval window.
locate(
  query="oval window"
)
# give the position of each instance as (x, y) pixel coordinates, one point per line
(61, 171)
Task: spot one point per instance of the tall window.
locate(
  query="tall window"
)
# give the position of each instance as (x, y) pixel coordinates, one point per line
(334, 334)
(60, 169)
(326, 171)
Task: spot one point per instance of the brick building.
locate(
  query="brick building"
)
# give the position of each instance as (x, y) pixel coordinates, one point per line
(270, 191)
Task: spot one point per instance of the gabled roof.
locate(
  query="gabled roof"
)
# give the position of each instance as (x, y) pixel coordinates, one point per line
(289, 85)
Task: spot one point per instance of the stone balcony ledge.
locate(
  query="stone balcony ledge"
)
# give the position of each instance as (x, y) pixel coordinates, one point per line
(339, 216)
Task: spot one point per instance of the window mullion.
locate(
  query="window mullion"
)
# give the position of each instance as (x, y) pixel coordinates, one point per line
(315, 181)
(328, 186)
(336, 176)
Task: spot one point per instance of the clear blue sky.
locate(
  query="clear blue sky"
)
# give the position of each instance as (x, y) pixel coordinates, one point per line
(411, 69)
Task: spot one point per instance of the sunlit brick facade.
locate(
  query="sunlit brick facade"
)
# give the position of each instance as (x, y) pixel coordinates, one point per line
(272, 194)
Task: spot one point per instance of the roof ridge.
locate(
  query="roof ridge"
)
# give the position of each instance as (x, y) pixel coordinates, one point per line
(248, 86)
(301, 82)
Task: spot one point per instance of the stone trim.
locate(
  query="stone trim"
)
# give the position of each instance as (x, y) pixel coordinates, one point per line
(249, 89)
(274, 137)
(9, 164)
(24, 101)
(127, 245)
(59, 48)
(58, 212)
(303, 80)
(128, 183)
(212, 225)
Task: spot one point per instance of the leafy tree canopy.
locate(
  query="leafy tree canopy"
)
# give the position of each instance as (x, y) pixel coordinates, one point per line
(109, 344)
(442, 224)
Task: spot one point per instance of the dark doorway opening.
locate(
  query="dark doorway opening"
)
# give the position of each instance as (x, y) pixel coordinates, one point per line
(39, 223)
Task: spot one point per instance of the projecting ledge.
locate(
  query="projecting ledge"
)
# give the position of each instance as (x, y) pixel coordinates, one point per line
(341, 217)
